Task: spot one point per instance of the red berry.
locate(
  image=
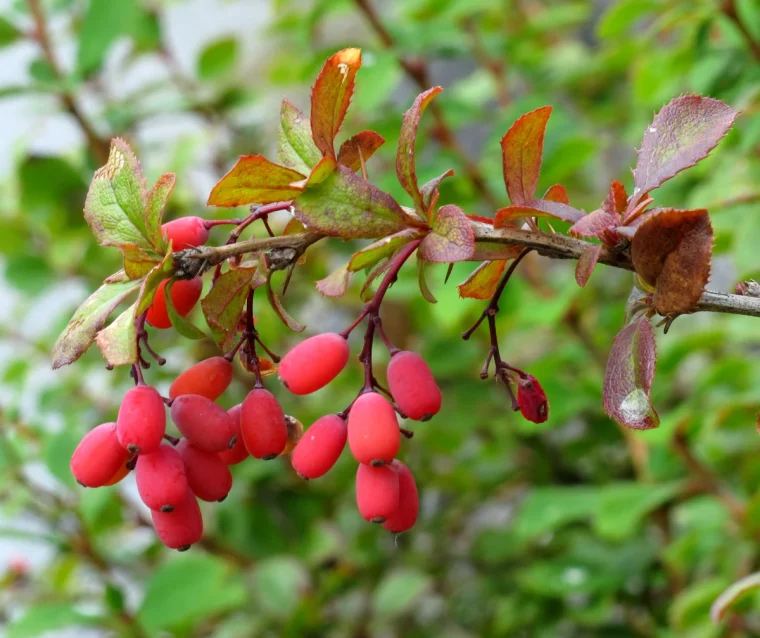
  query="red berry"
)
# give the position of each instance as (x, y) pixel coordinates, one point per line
(208, 476)
(313, 363)
(182, 527)
(206, 424)
(141, 423)
(99, 457)
(237, 453)
(319, 448)
(262, 423)
(209, 378)
(532, 399)
(377, 492)
(185, 294)
(161, 479)
(373, 432)
(413, 387)
(405, 516)
(185, 232)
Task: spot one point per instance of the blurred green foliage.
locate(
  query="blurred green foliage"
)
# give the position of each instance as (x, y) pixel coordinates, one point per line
(566, 528)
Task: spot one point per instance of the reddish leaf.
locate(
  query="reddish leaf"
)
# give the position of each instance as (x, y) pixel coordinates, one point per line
(671, 251)
(595, 224)
(254, 180)
(587, 263)
(336, 283)
(521, 150)
(223, 305)
(429, 190)
(628, 377)
(367, 142)
(346, 205)
(331, 96)
(536, 208)
(616, 200)
(405, 167)
(451, 238)
(488, 251)
(482, 281)
(681, 134)
(557, 193)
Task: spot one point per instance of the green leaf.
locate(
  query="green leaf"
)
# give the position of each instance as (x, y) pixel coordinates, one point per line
(8, 33)
(137, 261)
(57, 454)
(118, 342)
(295, 148)
(189, 589)
(622, 15)
(51, 188)
(738, 590)
(427, 294)
(155, 202)
(370, 255)
(623, 506)
(346, 205)
(279, 583)
(103, 23)
(451, 239)
(546, 509)
(224, 303)
(88, 320)
(255, 180)
(49, 617)
(398, 592)
(115, 204)
(29, 273)
(218, 59)
(181, 325)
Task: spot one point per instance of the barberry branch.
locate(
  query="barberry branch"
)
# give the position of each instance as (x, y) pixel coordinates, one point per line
(554, 246)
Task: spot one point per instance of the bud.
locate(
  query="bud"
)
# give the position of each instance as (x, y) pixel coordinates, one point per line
(532, 399)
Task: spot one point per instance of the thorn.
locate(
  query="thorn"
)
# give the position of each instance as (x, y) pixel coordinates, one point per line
(448, 273)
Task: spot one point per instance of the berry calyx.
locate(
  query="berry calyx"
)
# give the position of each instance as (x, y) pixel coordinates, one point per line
(141, 423)
(182, 527)
(373, 433)
(313, 363)
(185, 294)
(295, 432)
(532, 400)
(238, 452)
(405, 516)
(160, 478)
(205, 424)
(262, 423)
(99, 457)
(377, 492)
(413, 386)
(185, 232)
(320, 447)
(209, 378)
(207, 474)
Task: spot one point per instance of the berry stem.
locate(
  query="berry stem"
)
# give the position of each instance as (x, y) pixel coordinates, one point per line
(230, 356)
(250, 333)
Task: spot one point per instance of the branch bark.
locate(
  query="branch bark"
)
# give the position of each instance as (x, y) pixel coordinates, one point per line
(554, 246)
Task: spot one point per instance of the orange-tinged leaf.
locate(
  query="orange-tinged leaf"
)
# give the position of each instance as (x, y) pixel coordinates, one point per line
(522, 148)
(360, 147)
(595, 224)
(536, 208)
(587, 263)
(405, 165)
(629, 375)
(255, 180)
(616, 200)
(331, 97)
(557, 193)
(482, 281)
(671, 251)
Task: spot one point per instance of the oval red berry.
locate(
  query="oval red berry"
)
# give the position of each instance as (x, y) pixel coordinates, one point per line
(313, 363)
(205, 424)
(373, 432)
(209, 378)
(377, 492)
(208, 476)
(262, 424)
(185, 232)
(141, 423)
(320, 447)
(182, 527)
(160, 478)
(99, 457)
(238, 452)
(413, 387)
(405, 516)
(185, 294)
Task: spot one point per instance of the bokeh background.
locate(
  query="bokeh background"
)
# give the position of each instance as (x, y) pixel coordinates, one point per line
(567, 528)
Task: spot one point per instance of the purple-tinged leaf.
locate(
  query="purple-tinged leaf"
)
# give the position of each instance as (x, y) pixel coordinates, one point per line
(738, 590)
(558, 194)
(254, 180)
(346, 205)
(224, 304)
(405, 165)
(536, 208)
(616, 200)
(595, 224)
(681, 134)
(88, 320)
(429, 190)
(557, 210)
(359, 148)
(427, 294)
(279, 309)
(450, 239)
(587, 263)
(370, 255)
(521, 151)
(336, 283)
(628, 377)
(672, 251)
(295, 147)
(331, 97)
(482, 282)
